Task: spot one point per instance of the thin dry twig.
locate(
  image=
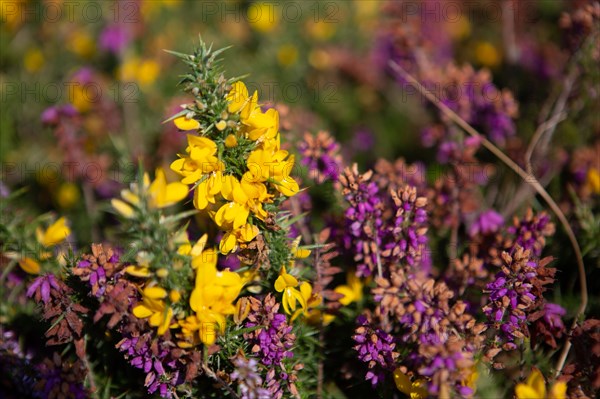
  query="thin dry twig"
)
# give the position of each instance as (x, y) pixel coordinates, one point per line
(530, 179)
(209, 372)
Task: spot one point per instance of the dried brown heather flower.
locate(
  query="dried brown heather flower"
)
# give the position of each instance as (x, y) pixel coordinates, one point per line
(580, 23)
(117, 300)
(393, 176)
(467, 271)
(60, 311)
(325, 270)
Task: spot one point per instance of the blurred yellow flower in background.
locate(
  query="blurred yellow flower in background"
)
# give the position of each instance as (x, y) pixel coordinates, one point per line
(262, 16)
(82, 44)
(145, 72)
(320, 30)
(56, 233)
(352, 291)
(67, 195)
(11, 13)
(33, 60)
(287, 54)
(459, 29)
(486, 54)
(593, 180)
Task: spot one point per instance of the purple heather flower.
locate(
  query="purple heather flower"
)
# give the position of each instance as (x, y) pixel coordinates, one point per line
(487, 222)
(41, 287)
(162, 372)
(114, 38)
(249, 380)
(321, 154)
(553, 316)
(51, 115)
(363, 218)
(375, 347)
(530, 231)
(511, 297)
(272, 349)
(363, 140)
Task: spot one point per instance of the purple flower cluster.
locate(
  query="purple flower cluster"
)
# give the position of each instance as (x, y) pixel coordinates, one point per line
(153, 357)
(271, 348)
(511, 297)
(43, 287)
(52, 115)
(405, 234)
(98, 267)
(530, 232)
(383, 230)
(375, 347)
(321, 154)
(363, 218)
(271, 342)
(248, 378)
(440, 358)
(488, 222)
(114, 38)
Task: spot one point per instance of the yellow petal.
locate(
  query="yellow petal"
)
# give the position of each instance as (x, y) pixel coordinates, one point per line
(402, 382)
(175, 192)
(141, 312)
(200, 196)
(237, 97)
(306, 290)
(138, 271)
(227, 244)
(348, 294)
(558, 391)
(208, 333)
(184, 123)
(524, 391)
(56, 233)
(537, 382)
(155, 292)
(122, 207)
(301, 253)
(30, 266)
(248, 232)
(165, 322)
(280, 284)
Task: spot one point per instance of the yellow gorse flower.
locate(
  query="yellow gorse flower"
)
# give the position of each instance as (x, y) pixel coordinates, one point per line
(593, 180)
(159, 193)
(413, 389)
(56, 233)
(287, 284)
(212, 298)
(352, 291)
(153, 308)
(535, 388)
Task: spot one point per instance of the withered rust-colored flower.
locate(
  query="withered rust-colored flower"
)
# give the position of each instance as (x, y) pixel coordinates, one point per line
(97, 267)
